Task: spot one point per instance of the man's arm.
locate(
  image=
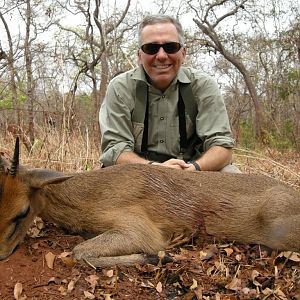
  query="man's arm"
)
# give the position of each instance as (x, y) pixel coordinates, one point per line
(128, 157)
(212, 126)
(214, 159)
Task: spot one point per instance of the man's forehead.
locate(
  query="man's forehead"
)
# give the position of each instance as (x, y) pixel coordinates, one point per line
(159, 32)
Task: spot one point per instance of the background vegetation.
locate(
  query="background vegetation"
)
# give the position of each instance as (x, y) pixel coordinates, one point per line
(57, 57)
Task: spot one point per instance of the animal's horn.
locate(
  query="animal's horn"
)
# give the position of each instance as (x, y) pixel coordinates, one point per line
(15, 161)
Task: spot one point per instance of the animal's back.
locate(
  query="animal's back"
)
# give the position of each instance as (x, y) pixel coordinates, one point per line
(168, 196)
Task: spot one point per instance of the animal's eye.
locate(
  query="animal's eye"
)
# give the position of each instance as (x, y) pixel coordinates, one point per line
(16, 221)
(12, 230)
(21, 215)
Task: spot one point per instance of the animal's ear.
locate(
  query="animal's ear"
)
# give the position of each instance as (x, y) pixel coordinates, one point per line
(38, 178)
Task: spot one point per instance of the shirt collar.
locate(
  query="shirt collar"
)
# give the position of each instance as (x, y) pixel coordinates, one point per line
(182, 77)
(139, 74)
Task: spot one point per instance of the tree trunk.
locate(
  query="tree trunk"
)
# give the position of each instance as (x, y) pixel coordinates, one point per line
(28, 63)
(10, 64)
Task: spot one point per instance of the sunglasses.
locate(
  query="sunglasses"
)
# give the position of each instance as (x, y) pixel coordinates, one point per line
(170, 48)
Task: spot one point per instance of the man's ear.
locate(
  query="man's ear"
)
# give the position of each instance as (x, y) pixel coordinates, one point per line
(139, 56)
(183, 54)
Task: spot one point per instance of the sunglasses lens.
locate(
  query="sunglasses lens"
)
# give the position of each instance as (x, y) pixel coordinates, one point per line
(169, 48)
(150, 48)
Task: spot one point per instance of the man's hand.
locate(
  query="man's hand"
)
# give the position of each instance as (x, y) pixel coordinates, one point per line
(175, 164)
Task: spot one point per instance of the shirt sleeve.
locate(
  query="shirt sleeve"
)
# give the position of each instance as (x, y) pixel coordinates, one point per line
(115, 125)
(212, 123)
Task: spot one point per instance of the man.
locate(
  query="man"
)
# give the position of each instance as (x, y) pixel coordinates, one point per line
(147, 117)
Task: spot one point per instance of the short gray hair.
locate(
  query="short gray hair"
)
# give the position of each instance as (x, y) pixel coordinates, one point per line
(156, 19)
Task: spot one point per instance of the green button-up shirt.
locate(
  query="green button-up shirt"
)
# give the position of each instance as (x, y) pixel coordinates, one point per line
(120, 133)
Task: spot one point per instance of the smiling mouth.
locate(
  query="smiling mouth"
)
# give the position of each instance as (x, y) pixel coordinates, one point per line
(162, 67)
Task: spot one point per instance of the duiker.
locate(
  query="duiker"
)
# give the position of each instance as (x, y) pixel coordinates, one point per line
(136, 210)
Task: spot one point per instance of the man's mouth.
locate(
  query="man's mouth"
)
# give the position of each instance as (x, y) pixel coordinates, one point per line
(162, 67)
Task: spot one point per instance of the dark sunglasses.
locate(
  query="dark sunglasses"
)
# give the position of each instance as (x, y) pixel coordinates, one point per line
(170, 48)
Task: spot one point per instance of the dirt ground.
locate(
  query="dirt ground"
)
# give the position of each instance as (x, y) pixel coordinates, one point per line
(206, 271)
(42, 268)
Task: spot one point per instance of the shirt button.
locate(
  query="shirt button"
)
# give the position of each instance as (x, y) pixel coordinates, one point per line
(161, 141)
(162, 118)
(163, 96)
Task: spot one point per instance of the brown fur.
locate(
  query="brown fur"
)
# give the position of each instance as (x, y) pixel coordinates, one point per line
(136, 209)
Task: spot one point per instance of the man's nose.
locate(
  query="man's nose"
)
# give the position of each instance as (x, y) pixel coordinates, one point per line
(161, 54)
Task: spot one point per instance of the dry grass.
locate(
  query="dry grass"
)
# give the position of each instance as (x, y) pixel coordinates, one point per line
(68, 152)
(282, 166)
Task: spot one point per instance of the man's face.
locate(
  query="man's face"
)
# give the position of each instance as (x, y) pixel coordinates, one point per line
(161, 67)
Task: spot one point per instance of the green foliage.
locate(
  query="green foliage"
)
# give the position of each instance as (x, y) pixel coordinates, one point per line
(84, 102)
(7, 96)
(247, 135)
(279, 142)
(289, 85)
(283, 140)
(5, 103)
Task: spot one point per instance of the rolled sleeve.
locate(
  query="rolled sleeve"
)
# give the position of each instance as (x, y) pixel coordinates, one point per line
(212, 123)
(115, 124)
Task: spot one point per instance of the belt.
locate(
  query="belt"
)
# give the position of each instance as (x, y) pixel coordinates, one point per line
(159, 157)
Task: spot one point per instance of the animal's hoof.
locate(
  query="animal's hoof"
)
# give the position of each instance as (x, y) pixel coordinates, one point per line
(154, 259)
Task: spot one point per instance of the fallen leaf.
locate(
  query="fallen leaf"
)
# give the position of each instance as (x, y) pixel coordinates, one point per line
(194, 285)
(52, 280)
(210, 270)
(293, 256)
(255, 274)
(280, 294)
(161, 254)
(88, 295)
(18, 290)
(93, 281)
(276, 272)
(234, 285)
(267, 292)
(50, 258)
(228, 251)
(148, 284)
(217, 296)
(238, 257)
(199, 293)
(35, 230)
(64, 254)
(207, 254)
(62, 290)
(39, 223)
(108, 273)
(71, 286)
(35, 246)
(68, 261)
(159, 287)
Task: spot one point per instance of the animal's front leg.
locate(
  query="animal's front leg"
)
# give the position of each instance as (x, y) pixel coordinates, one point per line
(125, 260)
(125, 246)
